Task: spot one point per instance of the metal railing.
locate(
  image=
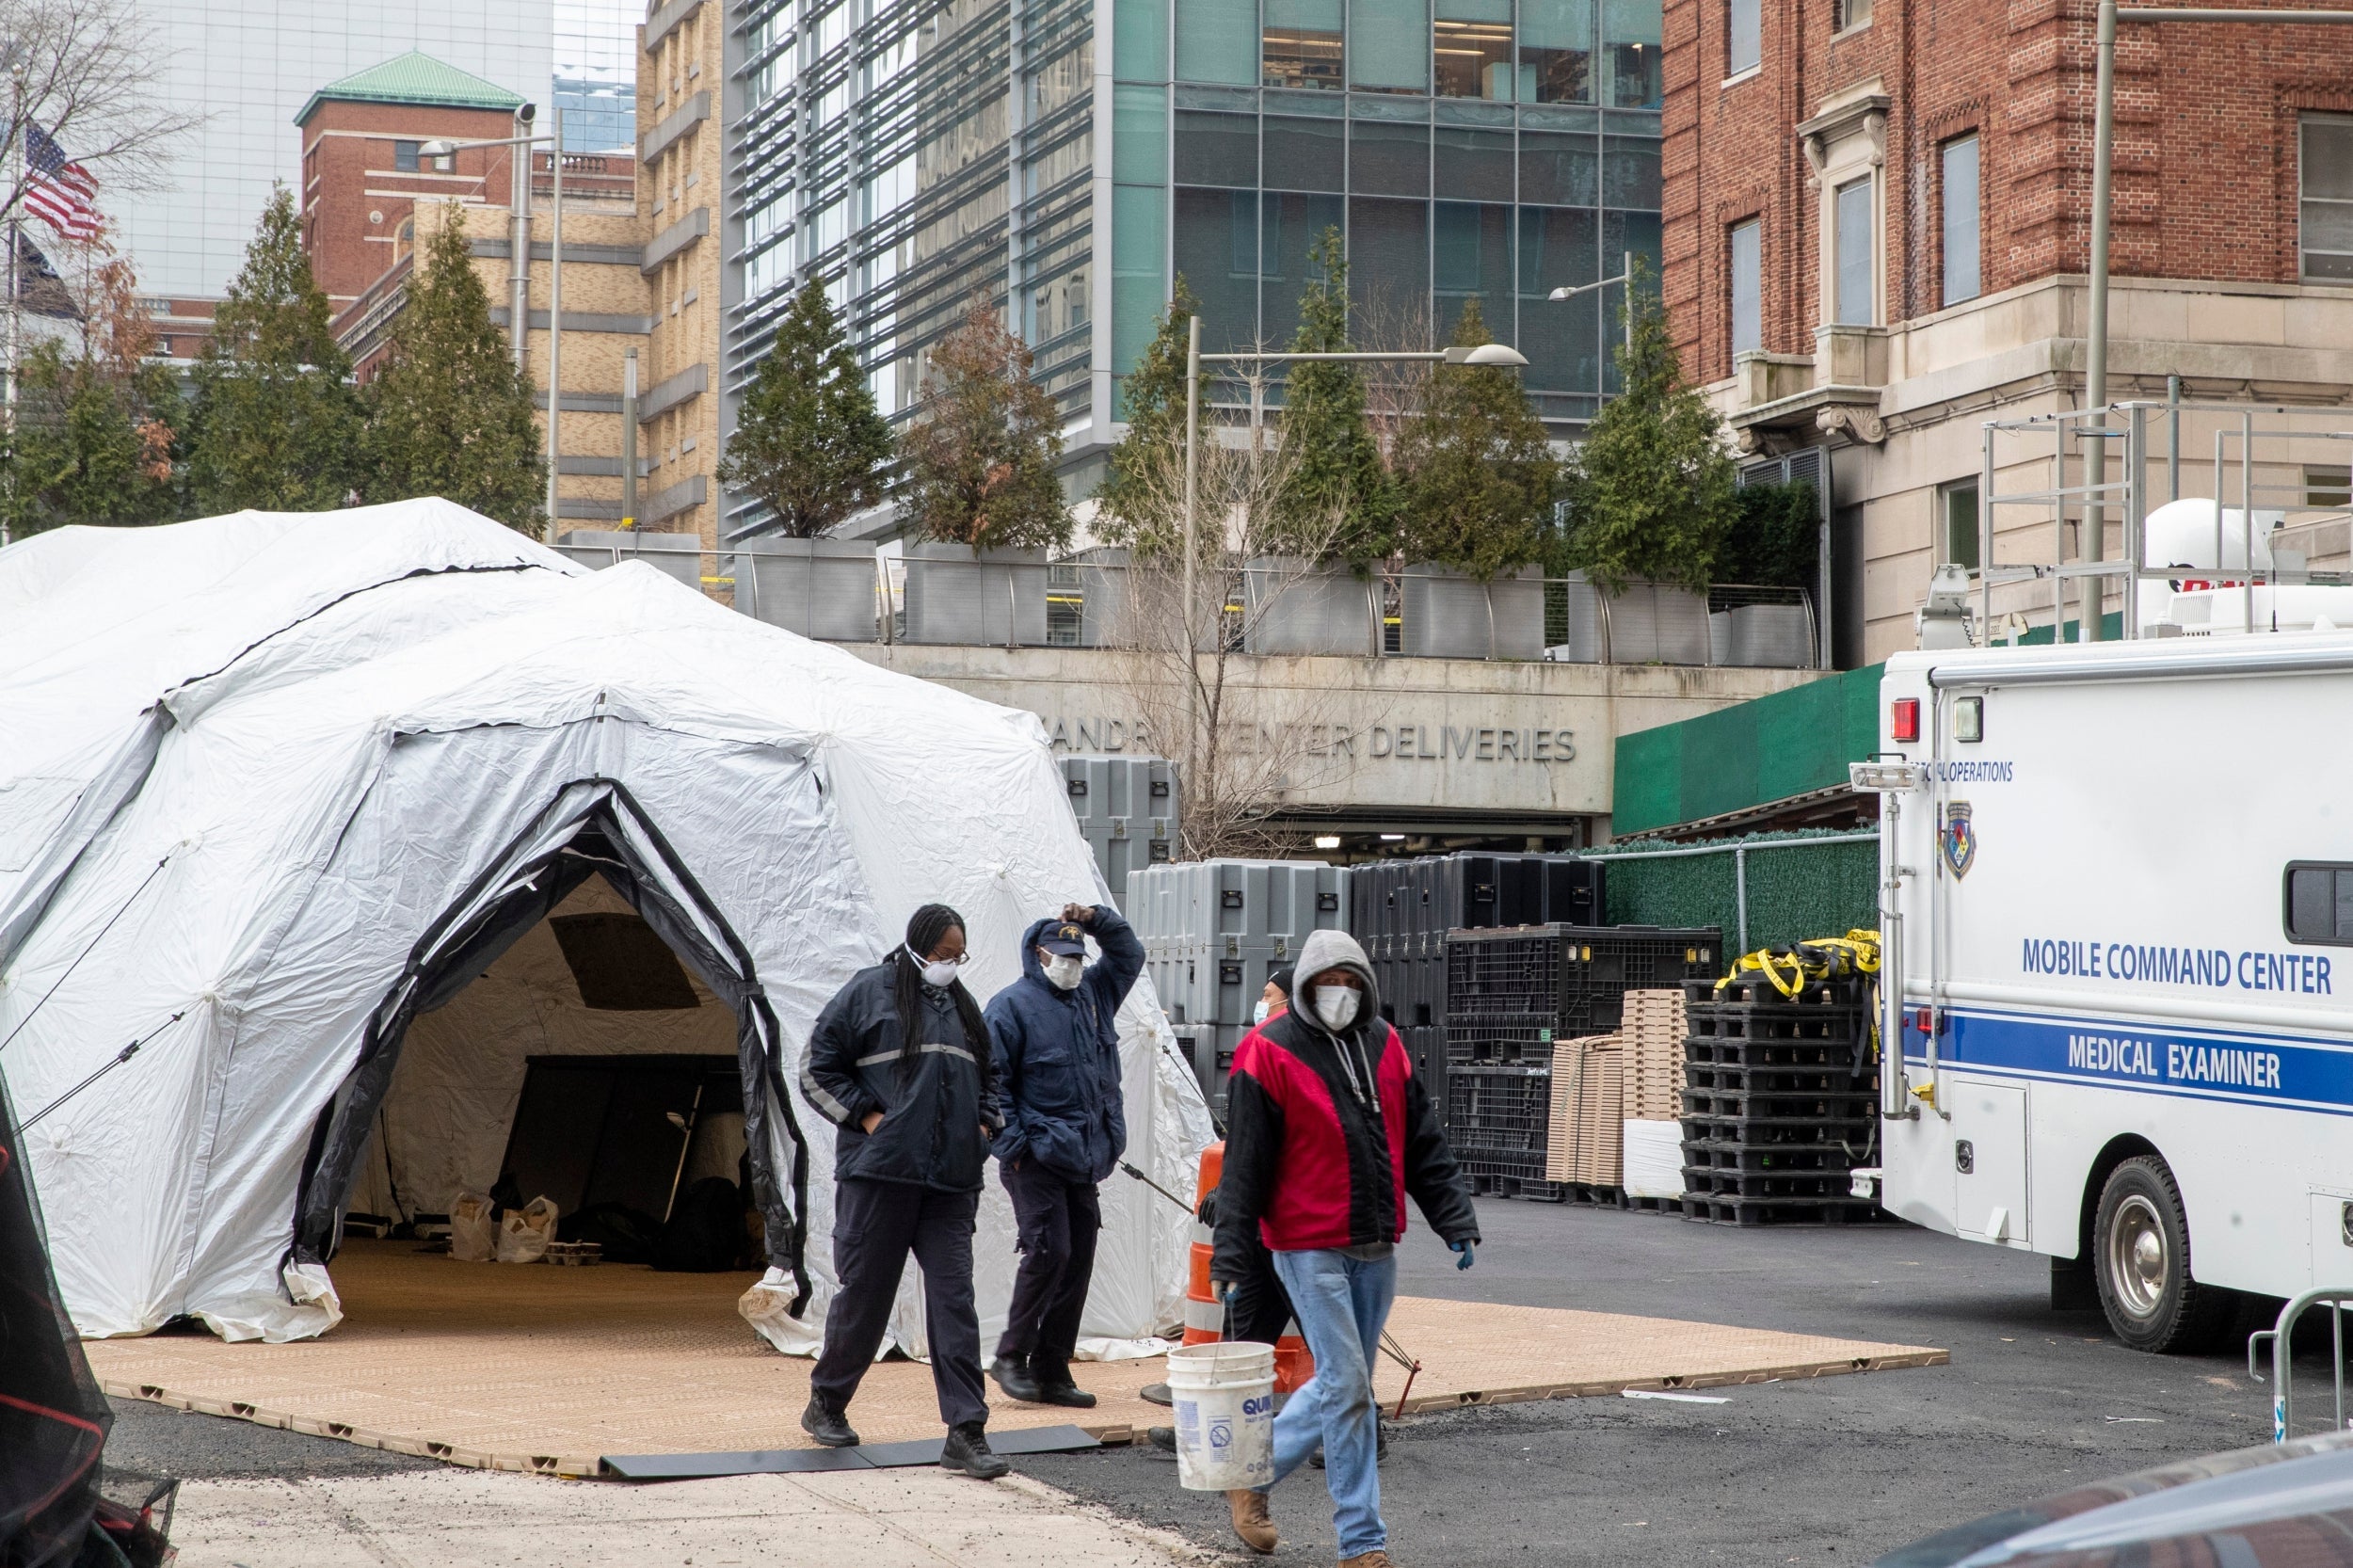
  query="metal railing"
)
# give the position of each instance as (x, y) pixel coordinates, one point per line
(2280, 1334)
(1018, 599)
(2104, 471)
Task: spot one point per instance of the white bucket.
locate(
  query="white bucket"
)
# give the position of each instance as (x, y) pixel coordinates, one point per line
(1224, 1395)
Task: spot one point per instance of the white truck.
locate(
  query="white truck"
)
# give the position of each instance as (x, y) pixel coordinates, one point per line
(2117, 900)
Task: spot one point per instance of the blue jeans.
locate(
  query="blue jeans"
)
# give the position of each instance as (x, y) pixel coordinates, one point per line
(1341, 1305)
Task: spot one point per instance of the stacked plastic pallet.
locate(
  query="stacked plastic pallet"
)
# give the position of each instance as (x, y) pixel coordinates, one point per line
(1126, 810)
(1402, 911)
(1780, 1100)
(1588, 1085)
(1654, 1029)
(1514, 998)
(1213, 931)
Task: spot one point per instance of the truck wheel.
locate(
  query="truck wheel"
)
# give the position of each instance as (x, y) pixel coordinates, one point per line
(2140, 1254)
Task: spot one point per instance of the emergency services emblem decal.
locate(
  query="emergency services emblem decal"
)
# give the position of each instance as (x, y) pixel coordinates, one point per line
(1960, 838)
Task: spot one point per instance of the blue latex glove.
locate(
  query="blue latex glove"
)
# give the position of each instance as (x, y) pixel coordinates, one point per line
(1464, 1254)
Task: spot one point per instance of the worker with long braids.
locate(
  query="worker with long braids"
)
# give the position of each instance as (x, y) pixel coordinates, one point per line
(899, 1063)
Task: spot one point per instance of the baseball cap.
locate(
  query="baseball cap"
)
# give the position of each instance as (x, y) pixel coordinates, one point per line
(1064, 938)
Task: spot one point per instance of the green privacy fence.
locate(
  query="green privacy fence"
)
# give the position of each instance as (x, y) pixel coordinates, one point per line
(1751, 753)
(1765, 890)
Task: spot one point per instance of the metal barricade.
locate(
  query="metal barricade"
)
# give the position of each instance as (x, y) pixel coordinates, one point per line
(2280, 1333)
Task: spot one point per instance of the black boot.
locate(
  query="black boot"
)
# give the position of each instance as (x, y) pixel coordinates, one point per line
(1012, 1373)
(966, 1449)
(1162, 1438)
(1054, 1386)
(828, 1426)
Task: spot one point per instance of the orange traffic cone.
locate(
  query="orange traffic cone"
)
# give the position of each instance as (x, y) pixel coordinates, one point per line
(1205, 1315)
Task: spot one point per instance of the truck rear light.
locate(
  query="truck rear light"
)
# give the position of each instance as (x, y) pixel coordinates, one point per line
(1903, 718)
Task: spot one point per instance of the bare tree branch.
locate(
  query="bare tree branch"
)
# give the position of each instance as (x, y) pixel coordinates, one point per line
(1244, 750)
(90, 72)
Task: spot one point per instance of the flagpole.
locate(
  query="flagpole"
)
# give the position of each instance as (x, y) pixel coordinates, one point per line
(16, 245)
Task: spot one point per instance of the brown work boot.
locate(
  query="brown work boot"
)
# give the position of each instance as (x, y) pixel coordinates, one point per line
(1251, 1520)
(1374, 1558)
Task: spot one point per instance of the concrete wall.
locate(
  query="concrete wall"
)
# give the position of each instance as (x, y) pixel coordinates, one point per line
(1413, 739)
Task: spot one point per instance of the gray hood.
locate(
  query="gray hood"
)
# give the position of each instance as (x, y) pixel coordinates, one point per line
(1332, 949)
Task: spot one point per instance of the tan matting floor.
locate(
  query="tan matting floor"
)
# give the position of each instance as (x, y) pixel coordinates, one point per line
(545, 1369)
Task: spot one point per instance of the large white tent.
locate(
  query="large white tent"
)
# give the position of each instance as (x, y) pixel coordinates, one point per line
(286, 799)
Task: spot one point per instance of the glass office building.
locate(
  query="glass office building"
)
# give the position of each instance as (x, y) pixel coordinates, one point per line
(1077, 155)
(593, 78)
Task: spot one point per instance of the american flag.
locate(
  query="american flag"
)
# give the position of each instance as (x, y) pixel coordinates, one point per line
(59, 193)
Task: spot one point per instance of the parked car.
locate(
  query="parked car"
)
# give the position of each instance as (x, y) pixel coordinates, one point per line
(2278, 1506)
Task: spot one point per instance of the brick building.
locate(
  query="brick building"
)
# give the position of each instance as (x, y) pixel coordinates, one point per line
(375, 193)
(1875, 229)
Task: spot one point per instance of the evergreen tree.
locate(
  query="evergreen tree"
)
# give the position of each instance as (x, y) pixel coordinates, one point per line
(808, 443)
(1476, 476)
(1154, 394)
(980, 463)
(450, 415)
(95, 429)
(1339, 472)
(1651, 489)
(274, 422)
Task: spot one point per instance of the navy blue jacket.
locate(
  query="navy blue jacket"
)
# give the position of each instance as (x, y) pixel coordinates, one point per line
(1058, 1056)
(930, 1134)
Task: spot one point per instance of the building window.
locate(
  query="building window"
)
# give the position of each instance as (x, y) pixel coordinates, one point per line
(1629, 41)
(1388, 48)
(1855, 254)
(1961, 280)
(1957, 523)
(1471, 41)
(405, 157)
(2328, 487)
(1213, 41)
(1747, 36)
(1556, 51)
(1302, 47)
(1848, 14)
(1748, 286)
(2327, 181)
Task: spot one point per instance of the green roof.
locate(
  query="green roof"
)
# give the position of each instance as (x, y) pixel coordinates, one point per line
(413, 78)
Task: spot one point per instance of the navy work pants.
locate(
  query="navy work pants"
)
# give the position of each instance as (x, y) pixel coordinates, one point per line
(1059, 1221)
(876, 1226)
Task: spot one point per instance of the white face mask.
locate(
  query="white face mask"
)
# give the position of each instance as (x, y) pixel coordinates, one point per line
(1258, 1014)
(1064, 970)
(941, 973)
(1336, 1006)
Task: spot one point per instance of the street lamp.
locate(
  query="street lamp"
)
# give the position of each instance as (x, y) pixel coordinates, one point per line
(2103, 164)
(1627, 277)
(1493, 355)
(517, 311)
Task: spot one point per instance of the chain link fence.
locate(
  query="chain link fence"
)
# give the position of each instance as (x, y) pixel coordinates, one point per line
(1764, 890)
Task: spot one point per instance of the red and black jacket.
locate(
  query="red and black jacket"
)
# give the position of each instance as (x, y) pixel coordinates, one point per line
(1320, 1156)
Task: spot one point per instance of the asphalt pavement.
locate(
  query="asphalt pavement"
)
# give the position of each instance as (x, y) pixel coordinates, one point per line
(1834, 1470)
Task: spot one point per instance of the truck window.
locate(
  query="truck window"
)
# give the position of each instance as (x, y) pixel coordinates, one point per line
(2320, 903)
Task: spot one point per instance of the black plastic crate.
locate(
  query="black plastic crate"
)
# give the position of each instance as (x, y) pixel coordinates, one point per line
(1736, 1052)
(1754, 987)
(1414, 903)
(1524, 1040)
(1796, 1133)
(1426, 1048)
(1778, 1211)
(1412, 990)
(1839, 1078)
(1514, 1179)
(1810, 1186)
(1579, 974)
(1719, 1020)
(1499, 1112)
(1856, 1109)
(1782, 1159)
